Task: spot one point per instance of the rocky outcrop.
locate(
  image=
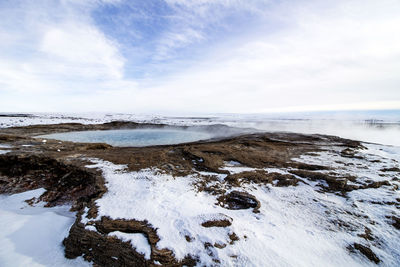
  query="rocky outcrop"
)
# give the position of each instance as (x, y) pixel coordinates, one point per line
(366, 251)
(106, 250)
(64, 183)
(237, 200)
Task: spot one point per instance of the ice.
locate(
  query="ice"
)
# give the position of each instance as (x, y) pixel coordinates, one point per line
(32, 236)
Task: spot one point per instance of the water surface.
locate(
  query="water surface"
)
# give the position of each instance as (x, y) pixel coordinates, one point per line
(132, 137)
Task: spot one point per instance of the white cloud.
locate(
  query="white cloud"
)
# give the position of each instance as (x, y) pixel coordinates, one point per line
(83, 49)
(193, 19)
(173, 40)
(54, 48)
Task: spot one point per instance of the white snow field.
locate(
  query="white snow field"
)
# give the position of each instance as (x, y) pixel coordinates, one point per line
(32, 235)
(295, 226)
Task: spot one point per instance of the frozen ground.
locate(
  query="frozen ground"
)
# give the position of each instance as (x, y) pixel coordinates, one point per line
(32, 235)
(297, 225)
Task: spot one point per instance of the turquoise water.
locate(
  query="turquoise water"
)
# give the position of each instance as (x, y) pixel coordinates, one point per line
(132, 137)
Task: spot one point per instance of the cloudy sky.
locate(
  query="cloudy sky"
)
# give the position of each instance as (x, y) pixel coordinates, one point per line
(199, 56)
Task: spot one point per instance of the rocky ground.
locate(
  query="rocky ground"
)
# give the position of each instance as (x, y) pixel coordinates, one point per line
(245, 199)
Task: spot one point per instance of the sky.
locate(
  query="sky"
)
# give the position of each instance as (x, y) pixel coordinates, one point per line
(199, 56)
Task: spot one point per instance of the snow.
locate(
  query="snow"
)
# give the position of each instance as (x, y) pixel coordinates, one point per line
(85, 118)
(294, 227)
(4, 148)
(138, 241)
(237, 169)
(368, 205)
(32, 236)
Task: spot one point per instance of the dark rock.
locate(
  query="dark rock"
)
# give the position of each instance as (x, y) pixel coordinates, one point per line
(233, 237)
(284, 180)
(236, 200)
(64, 183)
(394, 169)
(366, 251)
(220, 245)
(375, 184)
(395, 221)
(218, 223)
(367, 235)
(309, 167)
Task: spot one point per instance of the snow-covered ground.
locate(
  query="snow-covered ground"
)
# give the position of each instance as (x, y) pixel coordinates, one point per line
(32, 235)
(295, 227)
(84, 118)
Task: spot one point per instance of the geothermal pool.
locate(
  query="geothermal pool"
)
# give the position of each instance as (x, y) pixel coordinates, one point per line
(132, 137)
